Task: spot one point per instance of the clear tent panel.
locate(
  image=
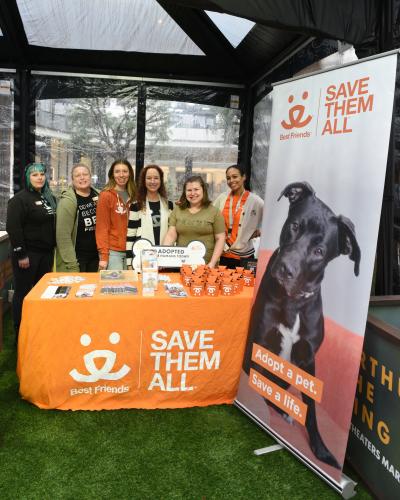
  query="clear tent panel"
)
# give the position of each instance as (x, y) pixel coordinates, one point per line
(83, 120)
(260, 152)
(191, 139)
(186, 129)
(6, 146)
(118, 25)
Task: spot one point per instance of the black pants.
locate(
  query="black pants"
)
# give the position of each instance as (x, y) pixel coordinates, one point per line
(88, 264)
(26, 279)
(232, 263)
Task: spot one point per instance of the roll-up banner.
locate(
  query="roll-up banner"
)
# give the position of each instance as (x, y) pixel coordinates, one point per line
(326, 171)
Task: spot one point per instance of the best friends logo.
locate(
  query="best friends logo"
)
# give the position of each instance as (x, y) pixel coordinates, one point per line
(340, 104)
(104, 372)
(298, 118)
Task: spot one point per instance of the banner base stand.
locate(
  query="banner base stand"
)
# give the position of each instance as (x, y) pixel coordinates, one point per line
(268, 449)
(348, 486)
(345, 486)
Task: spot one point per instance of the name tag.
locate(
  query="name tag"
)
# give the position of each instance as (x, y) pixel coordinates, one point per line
(95, 198)
(38, 202)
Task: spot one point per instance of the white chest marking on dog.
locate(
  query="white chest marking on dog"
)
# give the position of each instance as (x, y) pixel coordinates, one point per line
(289, 337)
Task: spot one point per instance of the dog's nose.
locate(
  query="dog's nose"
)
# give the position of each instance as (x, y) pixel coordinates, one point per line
(286, 270)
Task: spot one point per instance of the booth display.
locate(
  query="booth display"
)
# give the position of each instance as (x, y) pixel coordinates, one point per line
(99, 351)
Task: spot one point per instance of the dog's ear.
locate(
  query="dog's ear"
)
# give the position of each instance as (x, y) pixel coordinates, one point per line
(348, 243)
(297, 191)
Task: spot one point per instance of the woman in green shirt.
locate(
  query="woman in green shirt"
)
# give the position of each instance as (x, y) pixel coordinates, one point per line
(195, 218)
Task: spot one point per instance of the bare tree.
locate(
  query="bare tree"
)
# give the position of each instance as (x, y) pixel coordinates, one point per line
(228, 121)
(110, 125)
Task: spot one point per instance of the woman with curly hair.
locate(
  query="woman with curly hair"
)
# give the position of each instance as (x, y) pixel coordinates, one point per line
(148, 215)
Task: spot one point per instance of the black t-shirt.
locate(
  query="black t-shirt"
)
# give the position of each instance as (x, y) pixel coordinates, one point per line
(86, 236)
(155, 212)
(30, 223)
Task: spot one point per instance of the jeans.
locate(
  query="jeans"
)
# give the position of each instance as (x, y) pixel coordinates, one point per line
(116, 260)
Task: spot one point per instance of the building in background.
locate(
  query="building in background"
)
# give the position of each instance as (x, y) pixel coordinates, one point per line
(181, 137)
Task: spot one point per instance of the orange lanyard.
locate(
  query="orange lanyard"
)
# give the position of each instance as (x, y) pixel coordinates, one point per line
(232, 214)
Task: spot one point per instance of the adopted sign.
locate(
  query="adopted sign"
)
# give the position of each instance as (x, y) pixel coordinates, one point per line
(170, 256)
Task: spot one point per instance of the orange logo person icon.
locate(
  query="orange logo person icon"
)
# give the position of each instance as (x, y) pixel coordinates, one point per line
(296, 114)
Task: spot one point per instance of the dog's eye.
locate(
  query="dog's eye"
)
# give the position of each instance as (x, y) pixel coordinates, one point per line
(318, 251)
(295, 226)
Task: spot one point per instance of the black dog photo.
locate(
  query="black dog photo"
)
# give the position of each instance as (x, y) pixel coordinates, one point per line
(287, 315)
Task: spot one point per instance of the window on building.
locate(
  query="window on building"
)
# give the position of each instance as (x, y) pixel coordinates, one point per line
(93, 131)
(191, 139)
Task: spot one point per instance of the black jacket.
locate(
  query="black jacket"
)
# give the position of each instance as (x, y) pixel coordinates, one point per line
(30, 225)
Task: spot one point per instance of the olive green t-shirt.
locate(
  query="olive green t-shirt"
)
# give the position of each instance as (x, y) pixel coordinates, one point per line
(201, 226)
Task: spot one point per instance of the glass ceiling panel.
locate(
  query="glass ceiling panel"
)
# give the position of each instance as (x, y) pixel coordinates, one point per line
(233, 28)
(126, 25)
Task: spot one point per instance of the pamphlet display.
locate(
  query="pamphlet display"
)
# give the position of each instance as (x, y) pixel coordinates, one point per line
(66, 280)
(118, 275)
(56, 292)
(85, 291)
(149, 271)
(175, 290)
(120, 289)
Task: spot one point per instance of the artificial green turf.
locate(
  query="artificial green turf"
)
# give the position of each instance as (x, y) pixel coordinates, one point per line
(195, 453)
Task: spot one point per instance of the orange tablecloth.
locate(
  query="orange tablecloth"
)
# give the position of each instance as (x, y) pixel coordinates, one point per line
(110, 352)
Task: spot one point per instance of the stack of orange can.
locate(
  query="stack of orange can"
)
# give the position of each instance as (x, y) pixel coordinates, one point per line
(202, 280)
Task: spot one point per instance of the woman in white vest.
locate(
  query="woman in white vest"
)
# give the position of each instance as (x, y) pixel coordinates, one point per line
(242, 212)
(148, 215)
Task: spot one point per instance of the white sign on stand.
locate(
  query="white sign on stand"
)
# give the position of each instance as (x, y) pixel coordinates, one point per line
(170, 256)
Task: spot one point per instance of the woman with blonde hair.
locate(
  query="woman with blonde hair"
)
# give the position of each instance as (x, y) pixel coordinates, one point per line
(112, 215)
(76, 224)
(148, 215)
